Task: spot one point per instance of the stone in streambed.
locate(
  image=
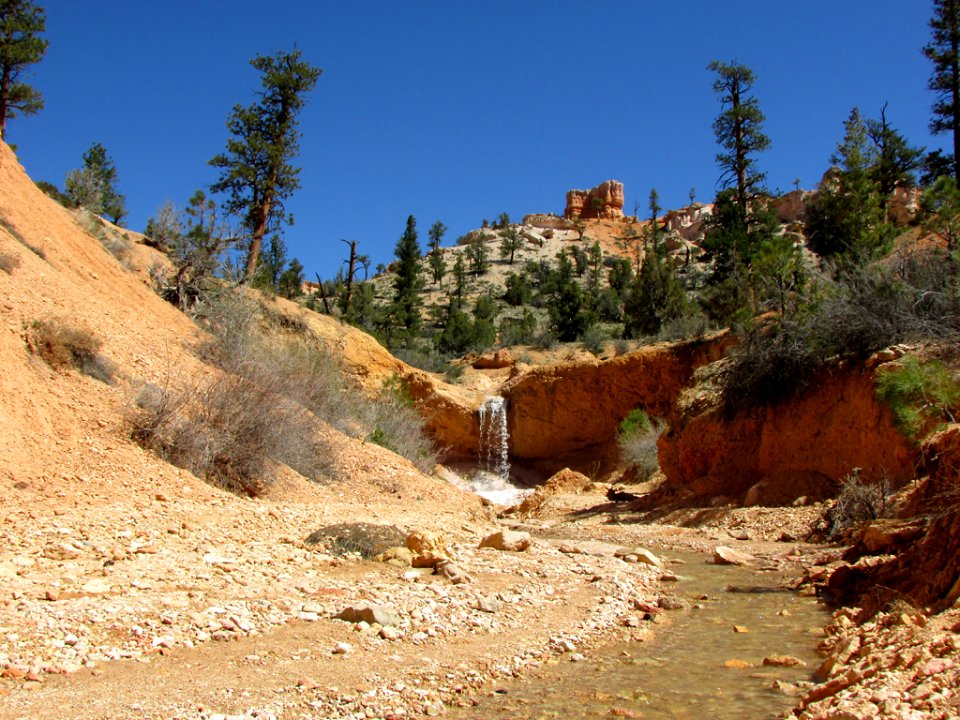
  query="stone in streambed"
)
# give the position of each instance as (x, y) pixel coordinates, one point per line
(507, 540)
(723, 555)
(371, 614)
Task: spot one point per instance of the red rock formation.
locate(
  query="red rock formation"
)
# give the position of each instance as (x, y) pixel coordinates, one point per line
(584, 203)
(802, 447)
(556, 410)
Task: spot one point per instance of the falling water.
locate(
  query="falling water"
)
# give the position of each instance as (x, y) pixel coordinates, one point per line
(494, 438)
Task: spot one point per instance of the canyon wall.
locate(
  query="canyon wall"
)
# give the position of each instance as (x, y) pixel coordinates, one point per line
(559, 409)
(801, 447)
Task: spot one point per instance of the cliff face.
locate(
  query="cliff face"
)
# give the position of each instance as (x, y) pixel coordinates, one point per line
(604, 201)
(555, 410)
(800, 447)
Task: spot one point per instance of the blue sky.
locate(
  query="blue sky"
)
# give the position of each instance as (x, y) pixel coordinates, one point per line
(458, 111)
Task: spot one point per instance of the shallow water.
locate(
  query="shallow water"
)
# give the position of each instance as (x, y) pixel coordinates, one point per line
(679, 673)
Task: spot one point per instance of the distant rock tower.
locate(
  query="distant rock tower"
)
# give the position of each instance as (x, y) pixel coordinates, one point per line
(603, 201)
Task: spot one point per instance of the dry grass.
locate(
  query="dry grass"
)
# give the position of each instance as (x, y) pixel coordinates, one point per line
(64, 346)
(266, 406)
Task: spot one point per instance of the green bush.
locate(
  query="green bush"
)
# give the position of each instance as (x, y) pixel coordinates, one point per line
(921, 394)
(638, 441)
(594, 340)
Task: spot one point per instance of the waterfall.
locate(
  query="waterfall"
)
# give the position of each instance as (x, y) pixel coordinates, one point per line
(494, 438)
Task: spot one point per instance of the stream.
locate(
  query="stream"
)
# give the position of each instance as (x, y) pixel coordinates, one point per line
(679, 673)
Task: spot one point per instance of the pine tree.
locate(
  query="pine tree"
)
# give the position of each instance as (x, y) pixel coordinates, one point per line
(20, 46)
(256, 171)
(290, 282)
(438, 265)
(459, 279)
(896, 161)
(407, 283)
(568, 320)
(739, 130)
(510, 242)
(437, 231)
(847, 218)
(271, 265)
(94, 186)
(656, 294)
(944, 52)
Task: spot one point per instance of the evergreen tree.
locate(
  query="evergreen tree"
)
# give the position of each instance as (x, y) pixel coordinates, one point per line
(896, 162)
(94, 186)
(21, 22)
(846, 218)
(517, 290)
(568, 319)
(739, 130)
(407, 283)
(478, 254)
(779, 274)
(510, 242)
(438, 265)
(437, 231)
(940, 210)
(290, 282)
(256, 171)
(272, 263)
(944, 52)
(656, 295)
(459, 279)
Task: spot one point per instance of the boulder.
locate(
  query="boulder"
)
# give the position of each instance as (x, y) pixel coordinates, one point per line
(371, 614)
(399, 556)
(723, 555)
(421, 542)
(639, 555)
(452, 572)
(494, 361)
(508, 540)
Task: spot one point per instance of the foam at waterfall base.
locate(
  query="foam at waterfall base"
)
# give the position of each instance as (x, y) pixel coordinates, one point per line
(490, 486)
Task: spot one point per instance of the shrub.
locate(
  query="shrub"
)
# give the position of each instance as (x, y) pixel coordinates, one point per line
(518, 331)
(64, 346)
(920, 394)
(779, 359)
(365, 539)
(638, 442)
(859, 501)
(396, 425)
(264, 408)
(594, 339)
(226, 431)
(9, 262)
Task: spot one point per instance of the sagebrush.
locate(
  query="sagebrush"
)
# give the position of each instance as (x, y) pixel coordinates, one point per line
(63, 345)
(638, 438)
